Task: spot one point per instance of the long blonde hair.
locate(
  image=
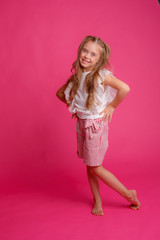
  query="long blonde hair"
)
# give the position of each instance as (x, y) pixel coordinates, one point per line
(91, 78)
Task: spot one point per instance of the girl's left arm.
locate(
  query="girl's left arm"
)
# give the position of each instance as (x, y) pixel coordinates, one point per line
(122, 88)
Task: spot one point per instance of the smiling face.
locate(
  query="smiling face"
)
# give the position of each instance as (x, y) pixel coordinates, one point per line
(89, 55)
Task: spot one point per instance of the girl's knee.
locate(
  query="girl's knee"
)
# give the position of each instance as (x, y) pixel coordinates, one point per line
(94, 169)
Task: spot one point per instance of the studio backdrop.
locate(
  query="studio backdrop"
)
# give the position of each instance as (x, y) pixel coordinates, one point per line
(38, 44)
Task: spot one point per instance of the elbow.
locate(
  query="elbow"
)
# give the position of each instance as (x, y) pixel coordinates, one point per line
(127, 89)
(58, 94)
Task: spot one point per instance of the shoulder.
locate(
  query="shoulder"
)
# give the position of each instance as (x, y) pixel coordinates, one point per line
(105, 72)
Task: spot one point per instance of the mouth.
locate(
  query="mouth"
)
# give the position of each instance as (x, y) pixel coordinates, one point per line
(85, 61)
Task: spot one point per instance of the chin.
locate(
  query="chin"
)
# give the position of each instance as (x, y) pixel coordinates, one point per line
(83, 65)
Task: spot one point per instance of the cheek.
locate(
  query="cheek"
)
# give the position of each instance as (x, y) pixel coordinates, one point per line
(97, 59)
(81, 54)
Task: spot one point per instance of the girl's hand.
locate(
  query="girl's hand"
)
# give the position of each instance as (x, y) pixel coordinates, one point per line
(108, 112)
(74, 115)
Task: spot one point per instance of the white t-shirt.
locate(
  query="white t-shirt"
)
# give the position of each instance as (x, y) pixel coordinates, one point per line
(103, 96)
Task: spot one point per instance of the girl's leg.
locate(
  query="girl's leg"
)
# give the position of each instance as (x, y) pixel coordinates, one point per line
(94, 184)
(109, 179)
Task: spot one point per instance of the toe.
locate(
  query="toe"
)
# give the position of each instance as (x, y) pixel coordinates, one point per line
(134, 207)
(97, 212)
(101, 213)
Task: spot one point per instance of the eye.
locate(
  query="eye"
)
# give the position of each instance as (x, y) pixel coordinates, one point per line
(84, 50)
(93, 54)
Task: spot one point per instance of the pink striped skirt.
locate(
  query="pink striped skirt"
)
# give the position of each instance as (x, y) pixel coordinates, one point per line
(92, 140)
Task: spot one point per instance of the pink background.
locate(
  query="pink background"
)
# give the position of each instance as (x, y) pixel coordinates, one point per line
(38, 44)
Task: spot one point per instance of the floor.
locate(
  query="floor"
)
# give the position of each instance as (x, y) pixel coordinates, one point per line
(57, 212)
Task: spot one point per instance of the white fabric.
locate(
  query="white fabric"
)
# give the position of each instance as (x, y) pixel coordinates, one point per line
(102, 97)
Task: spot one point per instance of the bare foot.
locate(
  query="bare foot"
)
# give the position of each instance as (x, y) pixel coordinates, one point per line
(97, 209)
(132, 198)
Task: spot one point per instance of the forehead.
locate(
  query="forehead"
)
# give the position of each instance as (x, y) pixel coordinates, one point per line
(92, 47)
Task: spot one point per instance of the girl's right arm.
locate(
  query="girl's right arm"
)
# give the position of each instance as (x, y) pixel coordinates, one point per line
(60, 93)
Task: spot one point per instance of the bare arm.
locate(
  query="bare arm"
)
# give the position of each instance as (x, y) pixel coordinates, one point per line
(123, 90)
(60, 93)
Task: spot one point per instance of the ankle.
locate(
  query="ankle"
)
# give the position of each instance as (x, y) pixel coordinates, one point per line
(97, 199)
(127, 194)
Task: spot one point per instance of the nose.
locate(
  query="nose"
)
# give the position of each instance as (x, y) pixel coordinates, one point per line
(86, 55)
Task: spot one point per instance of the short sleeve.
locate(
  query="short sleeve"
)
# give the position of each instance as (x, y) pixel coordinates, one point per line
(111, 92)
(104, 72)
(67, 92)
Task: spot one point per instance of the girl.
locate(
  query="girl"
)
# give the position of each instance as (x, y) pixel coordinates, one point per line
(92, 93)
